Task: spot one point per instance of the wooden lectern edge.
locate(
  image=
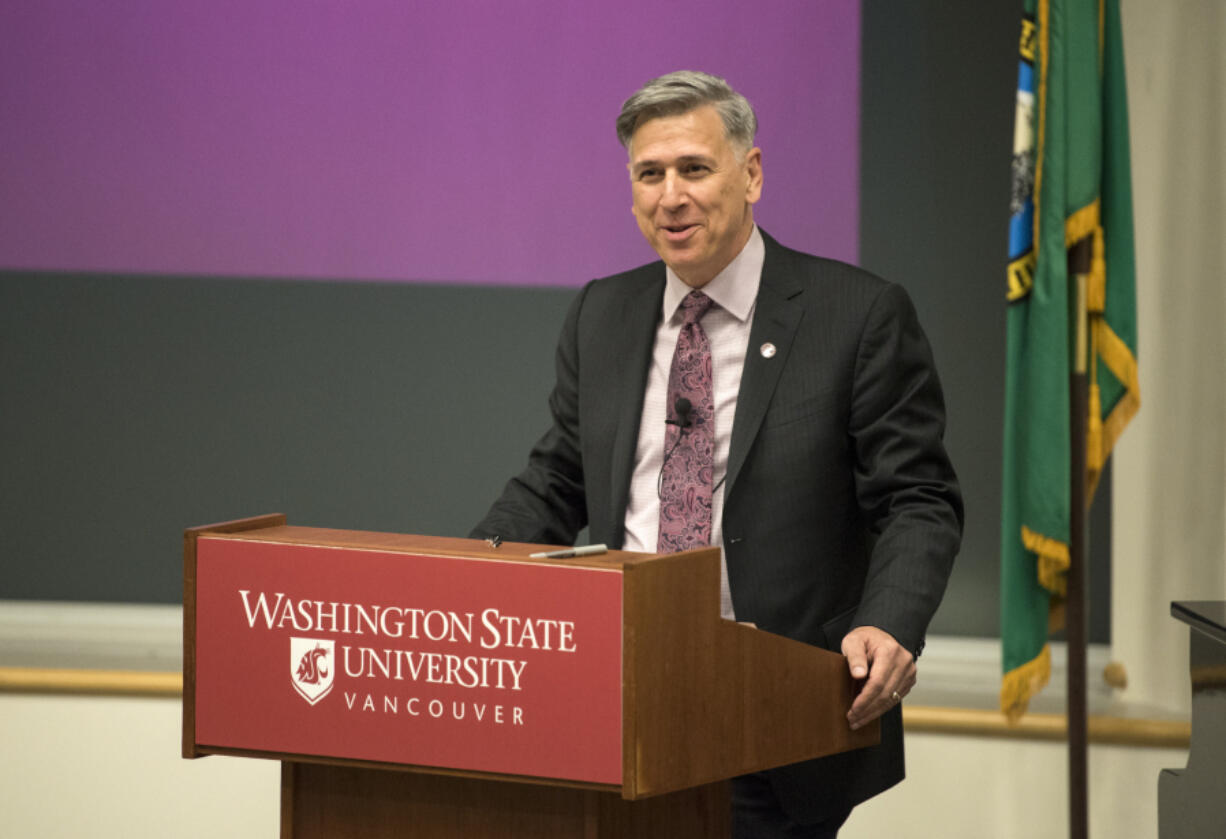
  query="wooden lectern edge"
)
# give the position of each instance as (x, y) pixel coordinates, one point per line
(411, 768)
(475, 549)
(834, 663)
(190, 536)
(668, 610)
(633, 787)
(834, 667)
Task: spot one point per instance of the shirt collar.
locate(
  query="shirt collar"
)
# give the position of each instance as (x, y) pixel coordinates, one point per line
(734, 289)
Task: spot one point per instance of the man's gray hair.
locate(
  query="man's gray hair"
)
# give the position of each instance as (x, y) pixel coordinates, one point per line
(683, 91)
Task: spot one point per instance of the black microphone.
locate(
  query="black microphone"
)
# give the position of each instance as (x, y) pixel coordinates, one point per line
(682, 409)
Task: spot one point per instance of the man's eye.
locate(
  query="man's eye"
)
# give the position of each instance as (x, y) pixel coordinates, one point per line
(696, 169)
(648, 174)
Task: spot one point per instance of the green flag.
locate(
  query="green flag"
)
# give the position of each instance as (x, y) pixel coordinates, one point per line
(1071, 214)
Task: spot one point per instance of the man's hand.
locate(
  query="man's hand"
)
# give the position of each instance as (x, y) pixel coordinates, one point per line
(888, 670)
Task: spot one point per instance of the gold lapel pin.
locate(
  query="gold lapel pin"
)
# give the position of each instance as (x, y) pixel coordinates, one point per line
(768, 350)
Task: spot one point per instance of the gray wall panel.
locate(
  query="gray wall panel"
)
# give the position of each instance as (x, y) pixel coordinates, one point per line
(137, 406)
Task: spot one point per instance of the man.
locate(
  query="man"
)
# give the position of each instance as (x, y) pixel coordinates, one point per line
(781, 406)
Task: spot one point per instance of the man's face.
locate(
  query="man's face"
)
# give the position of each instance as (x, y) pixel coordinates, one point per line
(693, 195)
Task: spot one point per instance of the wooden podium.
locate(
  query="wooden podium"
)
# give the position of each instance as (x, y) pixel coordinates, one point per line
(614, 703)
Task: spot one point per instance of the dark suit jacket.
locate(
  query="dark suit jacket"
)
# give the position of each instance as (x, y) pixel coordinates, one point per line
(841, 508)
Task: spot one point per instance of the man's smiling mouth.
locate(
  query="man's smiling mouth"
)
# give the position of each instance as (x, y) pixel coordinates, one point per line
(677, 230)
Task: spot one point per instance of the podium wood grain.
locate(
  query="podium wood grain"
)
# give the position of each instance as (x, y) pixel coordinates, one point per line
(324, 802)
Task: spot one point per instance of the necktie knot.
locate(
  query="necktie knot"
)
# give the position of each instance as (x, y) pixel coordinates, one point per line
(694, 306)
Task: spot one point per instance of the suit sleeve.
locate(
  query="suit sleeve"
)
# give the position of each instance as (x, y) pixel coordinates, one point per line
(545, 503)
(905, 484)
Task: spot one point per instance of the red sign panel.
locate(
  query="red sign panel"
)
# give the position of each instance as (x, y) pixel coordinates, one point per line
(438, 661)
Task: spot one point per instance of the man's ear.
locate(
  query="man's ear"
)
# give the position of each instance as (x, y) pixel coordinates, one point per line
(753, 167)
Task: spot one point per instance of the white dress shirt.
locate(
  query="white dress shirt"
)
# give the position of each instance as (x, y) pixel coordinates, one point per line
(735, 292)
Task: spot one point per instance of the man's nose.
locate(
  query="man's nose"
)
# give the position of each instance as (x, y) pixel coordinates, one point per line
(674, 195)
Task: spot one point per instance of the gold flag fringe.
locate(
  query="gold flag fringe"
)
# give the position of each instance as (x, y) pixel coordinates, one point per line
(1053, 559)
(1020, 684)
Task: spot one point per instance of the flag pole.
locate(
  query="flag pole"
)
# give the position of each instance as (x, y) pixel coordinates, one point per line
(1075, 593)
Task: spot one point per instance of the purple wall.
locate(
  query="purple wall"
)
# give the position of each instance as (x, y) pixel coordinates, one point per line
(451, 141)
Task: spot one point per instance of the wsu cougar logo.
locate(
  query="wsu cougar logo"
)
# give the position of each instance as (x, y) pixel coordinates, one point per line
(310, 667)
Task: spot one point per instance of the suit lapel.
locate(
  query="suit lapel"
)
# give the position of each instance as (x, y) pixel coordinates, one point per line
(776, 318)
(640, 316)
